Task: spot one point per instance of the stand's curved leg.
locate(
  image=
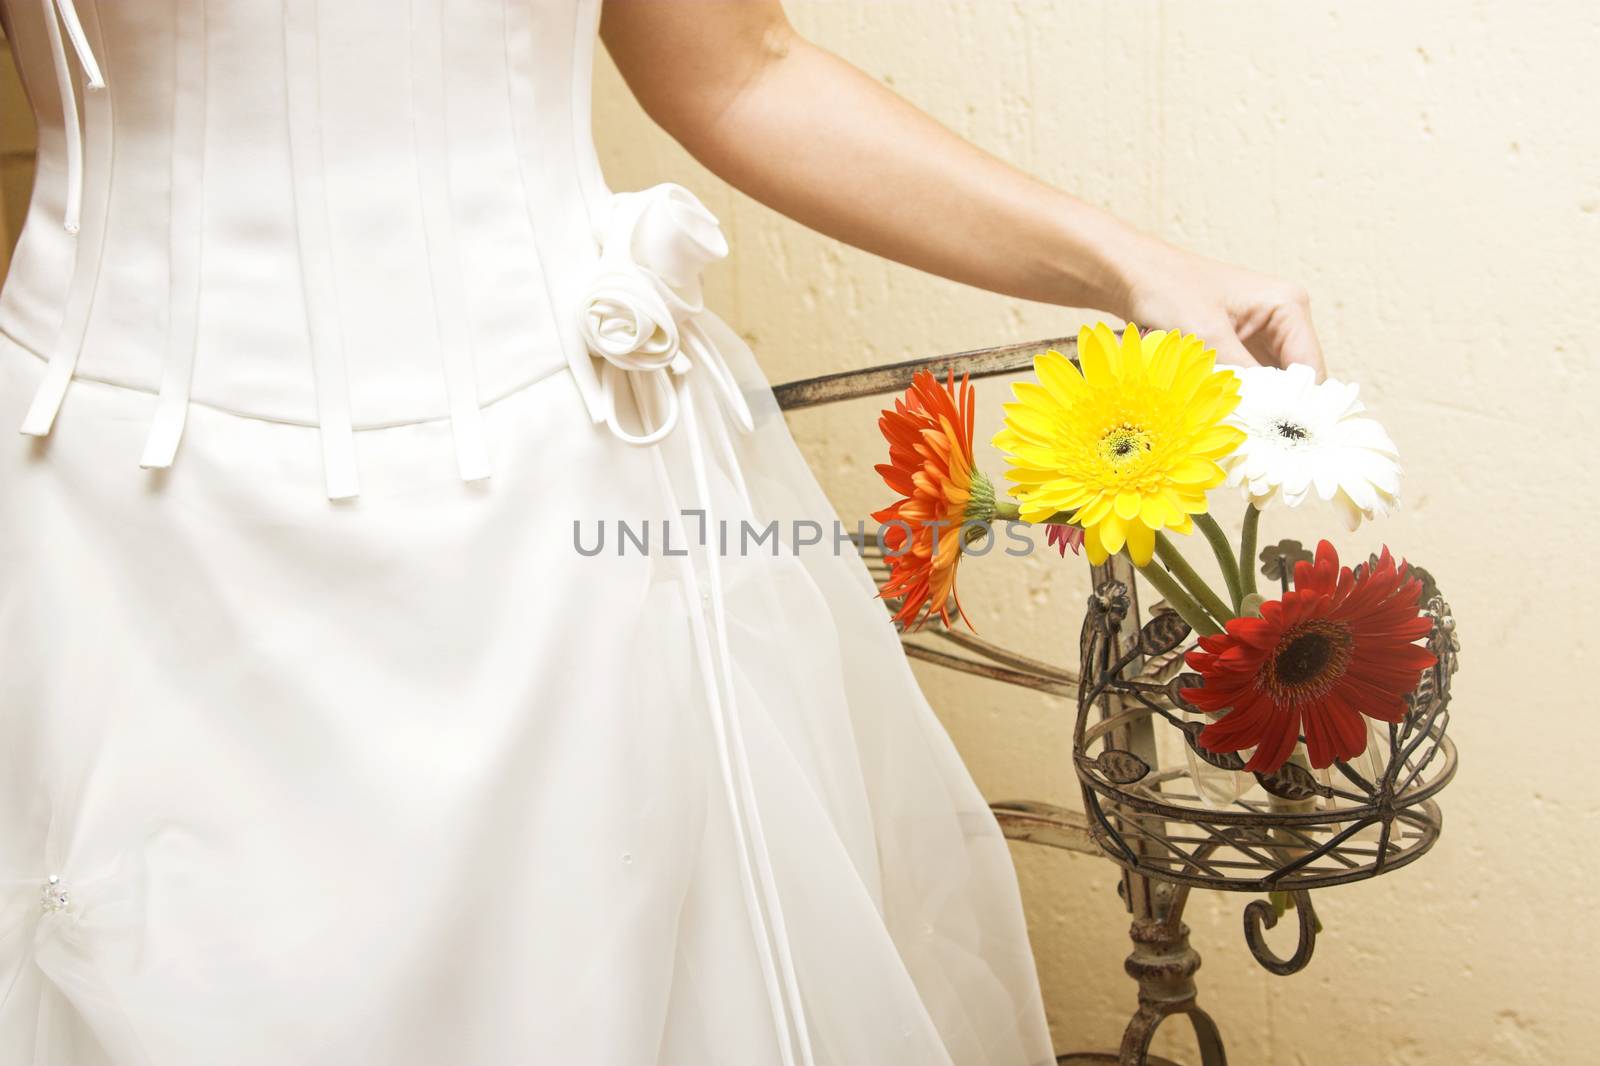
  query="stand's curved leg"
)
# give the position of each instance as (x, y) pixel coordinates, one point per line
(1136, 1037)
(1209, 1039)
(1141, 1031)
(1260, 916)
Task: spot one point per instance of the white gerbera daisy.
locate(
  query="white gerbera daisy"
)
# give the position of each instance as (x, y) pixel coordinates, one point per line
(1303, 436)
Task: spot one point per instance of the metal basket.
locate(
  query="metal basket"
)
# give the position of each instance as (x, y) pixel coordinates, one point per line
(1299, 830)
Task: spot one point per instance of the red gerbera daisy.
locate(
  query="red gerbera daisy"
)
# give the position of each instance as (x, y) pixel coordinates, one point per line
(1064, 537)
(1337, 647)
(930, 466)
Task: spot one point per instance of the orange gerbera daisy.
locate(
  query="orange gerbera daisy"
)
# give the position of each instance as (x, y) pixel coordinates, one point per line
(930, 466)
(1335, 648)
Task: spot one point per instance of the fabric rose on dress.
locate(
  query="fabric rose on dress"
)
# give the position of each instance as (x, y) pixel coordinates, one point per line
(675, 239)
(637, 313)
(627, 322)
(655, 249)
(1303, 436)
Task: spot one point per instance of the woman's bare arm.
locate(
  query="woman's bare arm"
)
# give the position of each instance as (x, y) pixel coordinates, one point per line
(811, 136)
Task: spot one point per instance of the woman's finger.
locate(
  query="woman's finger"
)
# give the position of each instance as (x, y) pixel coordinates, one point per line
(1230, 349)
(1296, 340)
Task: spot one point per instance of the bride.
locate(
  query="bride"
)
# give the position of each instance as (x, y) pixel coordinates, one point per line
(322, 743)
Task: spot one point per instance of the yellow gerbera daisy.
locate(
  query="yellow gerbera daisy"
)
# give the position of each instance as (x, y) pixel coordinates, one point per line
(1129, 445)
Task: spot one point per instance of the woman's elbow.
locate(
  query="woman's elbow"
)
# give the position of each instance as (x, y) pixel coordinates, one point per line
(688, 75)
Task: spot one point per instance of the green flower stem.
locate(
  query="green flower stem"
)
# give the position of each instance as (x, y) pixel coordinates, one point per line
(1178, 599)
(1225, 558)
(1192, 581)
(1247, 550)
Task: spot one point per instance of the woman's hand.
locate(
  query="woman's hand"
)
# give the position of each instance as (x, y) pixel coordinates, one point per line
(1248, 318)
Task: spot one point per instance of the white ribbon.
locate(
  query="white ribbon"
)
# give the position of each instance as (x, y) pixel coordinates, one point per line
(63, 361)
(637, 314)
(760, 882)
(67, 13)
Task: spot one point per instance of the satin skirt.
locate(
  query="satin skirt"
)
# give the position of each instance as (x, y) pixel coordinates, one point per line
(410, 780)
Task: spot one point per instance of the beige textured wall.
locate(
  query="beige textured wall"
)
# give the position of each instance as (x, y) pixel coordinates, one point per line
(16, 155)
(1431, 171)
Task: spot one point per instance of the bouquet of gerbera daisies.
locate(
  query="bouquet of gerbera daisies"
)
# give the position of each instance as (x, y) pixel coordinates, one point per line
(1119, 452)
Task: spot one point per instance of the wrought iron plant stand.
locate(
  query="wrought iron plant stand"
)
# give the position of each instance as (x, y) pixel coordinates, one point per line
(1178, 827)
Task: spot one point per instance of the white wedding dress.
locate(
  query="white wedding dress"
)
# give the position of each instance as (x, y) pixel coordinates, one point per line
(321, 744)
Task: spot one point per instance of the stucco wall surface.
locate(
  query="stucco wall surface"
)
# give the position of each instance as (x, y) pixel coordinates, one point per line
(1431, 172)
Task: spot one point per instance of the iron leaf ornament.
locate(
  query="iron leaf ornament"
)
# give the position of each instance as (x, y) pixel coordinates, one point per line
(1278, 560)
(1121, 767)
(1163, 633)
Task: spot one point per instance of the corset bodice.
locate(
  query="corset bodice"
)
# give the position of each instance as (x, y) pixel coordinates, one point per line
(342, 213)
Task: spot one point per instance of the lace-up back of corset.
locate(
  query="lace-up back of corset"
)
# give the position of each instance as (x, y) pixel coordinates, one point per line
(342, 213)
